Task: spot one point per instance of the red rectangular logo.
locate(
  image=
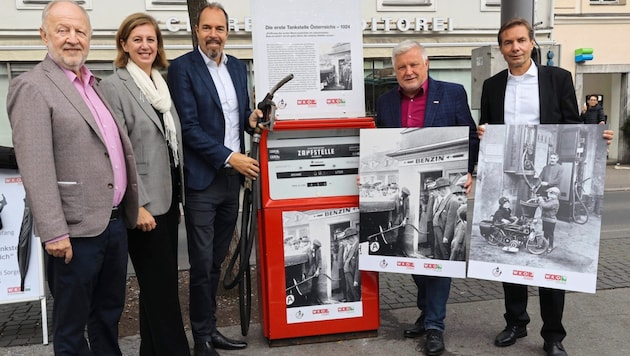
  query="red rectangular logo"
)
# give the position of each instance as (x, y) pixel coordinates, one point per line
(405, 264)
(11, 180)
(526, 274)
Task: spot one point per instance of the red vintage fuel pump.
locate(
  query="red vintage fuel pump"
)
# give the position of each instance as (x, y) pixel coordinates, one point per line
(309, 208)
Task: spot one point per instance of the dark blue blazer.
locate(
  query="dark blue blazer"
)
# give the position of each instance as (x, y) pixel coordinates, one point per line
(203, 124)
(447, 105)
(556, 93)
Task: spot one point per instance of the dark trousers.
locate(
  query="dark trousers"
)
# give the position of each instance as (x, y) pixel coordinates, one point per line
(210, 219)
(548, 229)
(154, 258)
(90, 290)
(551, 309)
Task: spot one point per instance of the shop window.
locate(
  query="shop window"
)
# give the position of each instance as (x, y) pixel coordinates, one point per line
(40, 4)
(405, 5)
(166, 4)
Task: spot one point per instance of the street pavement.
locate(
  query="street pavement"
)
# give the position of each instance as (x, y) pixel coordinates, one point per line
(597, 324)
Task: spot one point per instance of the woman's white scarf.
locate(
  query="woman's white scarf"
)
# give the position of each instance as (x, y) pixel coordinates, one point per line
(159, 97)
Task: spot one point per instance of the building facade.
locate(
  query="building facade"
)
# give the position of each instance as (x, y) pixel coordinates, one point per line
(450, 30)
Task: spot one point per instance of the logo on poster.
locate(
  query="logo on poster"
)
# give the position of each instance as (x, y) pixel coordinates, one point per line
(383, 263)
(323, 311)
(307, 102)
(15, 290)
(497, 271)
(556, 277)
(405, 264)
(524, 274)
(347, 309)
(299, 314)
(13, 180)
(433, 266)
(336, 101)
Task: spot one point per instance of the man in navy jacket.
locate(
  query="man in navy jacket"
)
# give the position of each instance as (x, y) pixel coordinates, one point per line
(420, 101)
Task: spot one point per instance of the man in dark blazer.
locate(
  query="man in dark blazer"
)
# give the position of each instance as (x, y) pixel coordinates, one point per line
(79, 173)
(209, 89)
(551, 97)
(420, 101)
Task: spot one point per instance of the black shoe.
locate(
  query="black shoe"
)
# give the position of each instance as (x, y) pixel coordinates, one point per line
(435, 342)
(509, 335)
(221, 342)
(417, 329)
(205, 349)
(554, 349)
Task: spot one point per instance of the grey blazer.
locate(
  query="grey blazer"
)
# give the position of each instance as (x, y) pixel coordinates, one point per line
(62, 157)
(147, 138)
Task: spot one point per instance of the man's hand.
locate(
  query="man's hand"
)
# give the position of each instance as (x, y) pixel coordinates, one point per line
(253, 120)
(608, 136)
(60, 249)
(146, 221)
(481, 129)
(468, 184)
(245, 165)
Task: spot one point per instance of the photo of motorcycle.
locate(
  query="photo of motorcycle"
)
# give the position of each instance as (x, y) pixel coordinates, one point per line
(514, 235)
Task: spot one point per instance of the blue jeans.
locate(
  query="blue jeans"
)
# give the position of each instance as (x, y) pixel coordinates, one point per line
(432, 297)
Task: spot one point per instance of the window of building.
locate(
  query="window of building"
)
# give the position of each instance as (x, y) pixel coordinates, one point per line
(405, 5)
(491, 5)
(607, 2)
(166, 4)
(40, 4)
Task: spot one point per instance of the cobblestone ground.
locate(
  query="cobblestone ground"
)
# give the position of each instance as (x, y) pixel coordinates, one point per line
(20, 323)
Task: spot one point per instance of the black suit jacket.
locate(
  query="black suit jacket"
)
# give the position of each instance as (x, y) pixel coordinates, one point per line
(558, 104)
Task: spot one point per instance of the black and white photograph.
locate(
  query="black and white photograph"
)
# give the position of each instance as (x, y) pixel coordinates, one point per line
(335, 66)
(412, 200)
(321, 260)
(538, 205)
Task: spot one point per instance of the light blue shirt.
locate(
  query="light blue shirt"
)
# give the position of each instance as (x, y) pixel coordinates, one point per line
(522, 103)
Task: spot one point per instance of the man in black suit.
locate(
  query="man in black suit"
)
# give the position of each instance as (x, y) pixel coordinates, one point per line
(526, 93)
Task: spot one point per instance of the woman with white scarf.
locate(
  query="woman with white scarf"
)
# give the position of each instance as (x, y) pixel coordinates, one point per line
(140, 99)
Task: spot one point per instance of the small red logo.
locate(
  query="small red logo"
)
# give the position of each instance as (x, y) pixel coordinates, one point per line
(405, 264)
(344, 309)
(320, 311)
(335, 101)
(307, 102)
(555, 277)
(10, 180)
(525, 274)
(13, 290)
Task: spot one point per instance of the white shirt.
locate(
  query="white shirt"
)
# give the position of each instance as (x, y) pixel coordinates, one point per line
(522, 103)
(229, 102)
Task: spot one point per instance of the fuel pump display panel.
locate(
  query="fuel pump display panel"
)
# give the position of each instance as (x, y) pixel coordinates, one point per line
(313, 167)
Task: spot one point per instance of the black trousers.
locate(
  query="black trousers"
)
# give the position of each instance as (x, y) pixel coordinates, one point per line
(90, 290)
(154, 258)
(551, 309)
(211, 216)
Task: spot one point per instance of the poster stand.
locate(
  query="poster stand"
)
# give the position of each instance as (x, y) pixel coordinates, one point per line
(12, 211)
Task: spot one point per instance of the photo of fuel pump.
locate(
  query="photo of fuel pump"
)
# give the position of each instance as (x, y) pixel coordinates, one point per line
(536, 218)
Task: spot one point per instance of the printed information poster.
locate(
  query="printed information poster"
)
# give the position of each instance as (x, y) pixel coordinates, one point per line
(20, 251)
(321, 44)
(538, 198)
(412, 202)
(321, 261)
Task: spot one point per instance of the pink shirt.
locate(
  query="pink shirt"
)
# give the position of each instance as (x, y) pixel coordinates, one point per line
(412, 109)
(107, 127)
